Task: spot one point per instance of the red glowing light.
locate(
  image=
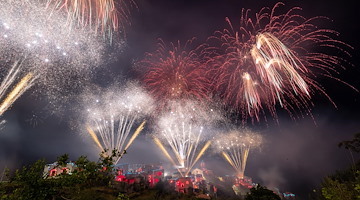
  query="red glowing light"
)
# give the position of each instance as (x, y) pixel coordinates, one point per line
(173, 73)
(270, 61)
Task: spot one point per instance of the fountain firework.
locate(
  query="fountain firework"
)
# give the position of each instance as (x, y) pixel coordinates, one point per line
(272, 60)
(235, 147)
(111, 115)
(182, 128)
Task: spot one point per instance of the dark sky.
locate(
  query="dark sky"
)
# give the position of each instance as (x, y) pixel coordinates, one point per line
(297, 154)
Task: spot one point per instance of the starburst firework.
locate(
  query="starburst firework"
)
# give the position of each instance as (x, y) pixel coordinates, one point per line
(272, 60)
(103, 16)
(176, 73)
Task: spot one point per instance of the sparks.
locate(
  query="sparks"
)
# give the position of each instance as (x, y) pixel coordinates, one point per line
(182, 128)
(176, 72)
(103, 16)
(270, 61)
(18, 89)
(112, 114)
(235, 147)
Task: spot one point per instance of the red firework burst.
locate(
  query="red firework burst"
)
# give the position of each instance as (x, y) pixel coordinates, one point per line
(174, 73)
(104, 16)
(271, 60)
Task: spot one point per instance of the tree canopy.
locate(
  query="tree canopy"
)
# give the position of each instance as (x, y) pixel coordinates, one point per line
(261, 193)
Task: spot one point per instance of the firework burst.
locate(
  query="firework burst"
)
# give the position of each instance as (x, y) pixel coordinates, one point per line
(175, 73)
(235, 147)
(103, 16)
(39, 34)
(111, 116)
(272, 60)
(56, 54)
(182, 128)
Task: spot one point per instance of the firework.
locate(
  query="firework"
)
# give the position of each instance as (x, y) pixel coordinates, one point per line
(2, 122)
(95, 138)
(175, 73)
(182, 128)
(58, 55)
(235, 148)
(112, 114)
(165, 152)
(272, 60)
(99, 15)
(12, 94)
(31, 30)
(35, 118)
(18, 90)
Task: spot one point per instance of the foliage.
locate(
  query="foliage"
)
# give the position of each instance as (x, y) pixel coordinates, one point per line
(63, 159)
(90, 180)
(261, 193)
(107, 160)
(343, 184)
(353, 145)
(122, 197)
(334, 190)
(81, 163)
(28, 183)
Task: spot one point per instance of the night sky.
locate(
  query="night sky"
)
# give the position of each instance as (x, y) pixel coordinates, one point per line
(296, 155)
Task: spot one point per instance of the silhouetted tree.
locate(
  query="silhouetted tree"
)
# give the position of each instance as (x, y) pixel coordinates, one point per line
(63, 159)
(81, 163)
(343, 184)
(261, 193)
(353, 145)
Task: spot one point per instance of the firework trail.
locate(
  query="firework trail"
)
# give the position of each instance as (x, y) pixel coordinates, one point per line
(94, 138)
(182, 128)
(272, 60)
(99, 15)
(18, 90)
(165, 152)
(176, 73)
(10, 91)
(112, 114)
(235, 148)
(2, 122)
(199, 155)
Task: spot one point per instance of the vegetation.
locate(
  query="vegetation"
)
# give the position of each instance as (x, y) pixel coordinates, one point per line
(343, 184)
(261, 193)
(93, 180)
(353, 145)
